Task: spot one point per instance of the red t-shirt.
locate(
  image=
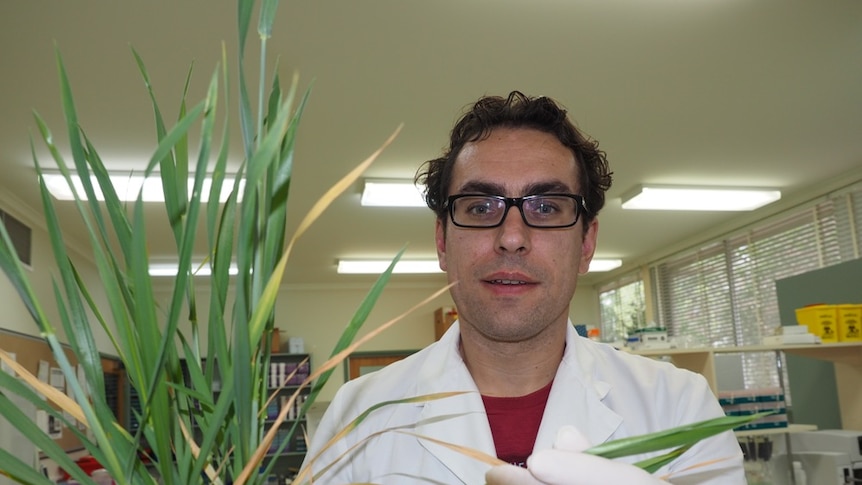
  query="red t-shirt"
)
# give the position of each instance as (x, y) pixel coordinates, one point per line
(515, 423)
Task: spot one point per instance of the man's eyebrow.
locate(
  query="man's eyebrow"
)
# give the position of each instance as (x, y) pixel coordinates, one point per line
(477, 187)
(547, 188)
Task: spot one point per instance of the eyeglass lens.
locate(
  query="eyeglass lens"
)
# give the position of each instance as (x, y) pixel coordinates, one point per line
(537, 210)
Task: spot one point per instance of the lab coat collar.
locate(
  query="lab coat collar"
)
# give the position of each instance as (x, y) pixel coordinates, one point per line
(460, 419)
(575, 399)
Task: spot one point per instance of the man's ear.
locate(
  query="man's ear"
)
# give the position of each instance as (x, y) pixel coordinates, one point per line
(588, 246)
(440, 240)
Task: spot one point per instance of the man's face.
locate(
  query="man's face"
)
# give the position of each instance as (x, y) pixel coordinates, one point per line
(514, 281)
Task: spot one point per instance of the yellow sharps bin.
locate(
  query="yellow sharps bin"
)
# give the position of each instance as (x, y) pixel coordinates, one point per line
(821, 320)
(850, 323)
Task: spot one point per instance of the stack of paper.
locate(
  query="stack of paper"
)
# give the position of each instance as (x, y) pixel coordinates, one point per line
(792, 334)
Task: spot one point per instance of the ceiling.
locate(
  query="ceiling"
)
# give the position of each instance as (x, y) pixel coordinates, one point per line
(710, 92)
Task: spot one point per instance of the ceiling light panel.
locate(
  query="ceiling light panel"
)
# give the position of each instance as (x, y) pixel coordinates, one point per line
(598, 265)
(391, 193)
(682, 198)
(166, 269)
(128, 187)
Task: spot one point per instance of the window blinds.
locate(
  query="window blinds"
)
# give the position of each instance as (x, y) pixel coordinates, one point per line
(723, 293)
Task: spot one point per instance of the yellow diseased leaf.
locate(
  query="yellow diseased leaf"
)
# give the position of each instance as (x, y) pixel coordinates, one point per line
(358, 420)
(469, 452)
(338, 188)
(60, 399)
(195, 450)
(258, 322)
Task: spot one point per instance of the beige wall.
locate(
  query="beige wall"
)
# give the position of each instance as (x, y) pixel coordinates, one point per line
(13, 313)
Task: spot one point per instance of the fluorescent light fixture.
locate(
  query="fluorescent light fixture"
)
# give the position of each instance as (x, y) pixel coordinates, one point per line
(377, 266)
(683, 198)
(598, 265)
(391, 193)
(128, 186)
(199, 269)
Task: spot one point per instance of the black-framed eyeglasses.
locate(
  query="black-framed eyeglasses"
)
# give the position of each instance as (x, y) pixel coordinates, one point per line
(545, 211)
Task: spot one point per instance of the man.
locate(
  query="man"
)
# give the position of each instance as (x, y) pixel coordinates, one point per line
(516, 197)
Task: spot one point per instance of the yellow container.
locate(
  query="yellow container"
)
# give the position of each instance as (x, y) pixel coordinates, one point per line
(850, 323)
(821, 320)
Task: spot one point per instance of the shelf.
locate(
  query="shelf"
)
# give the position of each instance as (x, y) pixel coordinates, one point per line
(791, 428)
(820, 351)
(846, 357)
(285, 454)
(291, 387)
(290, 457)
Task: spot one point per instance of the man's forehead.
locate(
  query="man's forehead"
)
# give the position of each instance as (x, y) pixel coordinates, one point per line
(516, 178)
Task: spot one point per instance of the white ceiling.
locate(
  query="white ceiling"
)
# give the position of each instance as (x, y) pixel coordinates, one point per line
(716, 92)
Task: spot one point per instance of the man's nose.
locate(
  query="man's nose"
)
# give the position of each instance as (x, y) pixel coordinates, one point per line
(513, 233)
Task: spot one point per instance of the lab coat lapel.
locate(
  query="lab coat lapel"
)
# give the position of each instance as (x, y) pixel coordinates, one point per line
(460, 420)
(576, 399)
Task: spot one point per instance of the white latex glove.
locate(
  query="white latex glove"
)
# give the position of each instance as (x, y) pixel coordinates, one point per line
(564, 464)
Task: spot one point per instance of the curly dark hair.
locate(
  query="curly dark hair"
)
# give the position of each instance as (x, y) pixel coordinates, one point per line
(518, 111)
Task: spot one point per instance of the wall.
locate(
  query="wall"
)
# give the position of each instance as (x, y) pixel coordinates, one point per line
(838, 284)
(585, 306)
(14, 315)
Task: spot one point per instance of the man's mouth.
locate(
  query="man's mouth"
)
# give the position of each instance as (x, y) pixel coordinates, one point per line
(507, 282)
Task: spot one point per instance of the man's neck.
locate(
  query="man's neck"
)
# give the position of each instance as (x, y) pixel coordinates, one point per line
(510, 369)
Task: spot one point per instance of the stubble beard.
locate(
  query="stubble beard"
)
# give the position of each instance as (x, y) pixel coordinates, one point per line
(505, 323)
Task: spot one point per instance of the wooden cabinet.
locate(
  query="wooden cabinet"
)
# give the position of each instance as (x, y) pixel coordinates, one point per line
(847, 358)
(444, 317)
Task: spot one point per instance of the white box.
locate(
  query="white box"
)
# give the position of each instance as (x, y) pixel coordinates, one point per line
(296, 345)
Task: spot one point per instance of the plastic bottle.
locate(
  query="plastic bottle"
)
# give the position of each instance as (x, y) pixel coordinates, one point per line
(799, 475)
(102, 477)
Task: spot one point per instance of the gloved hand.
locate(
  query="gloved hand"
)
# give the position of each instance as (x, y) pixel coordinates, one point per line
(564, 464)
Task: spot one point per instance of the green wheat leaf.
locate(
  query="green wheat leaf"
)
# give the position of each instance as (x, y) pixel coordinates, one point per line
(673, 437)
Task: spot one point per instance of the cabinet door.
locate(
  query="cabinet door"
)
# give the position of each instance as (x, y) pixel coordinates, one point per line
(362, 363)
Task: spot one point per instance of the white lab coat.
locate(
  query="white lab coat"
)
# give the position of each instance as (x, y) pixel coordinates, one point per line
(603, 392)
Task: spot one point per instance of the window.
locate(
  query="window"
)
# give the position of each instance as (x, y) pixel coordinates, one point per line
(694, 299)
(723, 293)
(623, 307)
(21, 236)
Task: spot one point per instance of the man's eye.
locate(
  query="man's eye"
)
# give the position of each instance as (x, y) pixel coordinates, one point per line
(546, 207)
(479, 209)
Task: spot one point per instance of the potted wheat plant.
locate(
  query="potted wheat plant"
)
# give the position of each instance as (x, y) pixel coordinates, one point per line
(187, 434)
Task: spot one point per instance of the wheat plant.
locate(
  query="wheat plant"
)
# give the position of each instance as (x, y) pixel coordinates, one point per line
(187, 433)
